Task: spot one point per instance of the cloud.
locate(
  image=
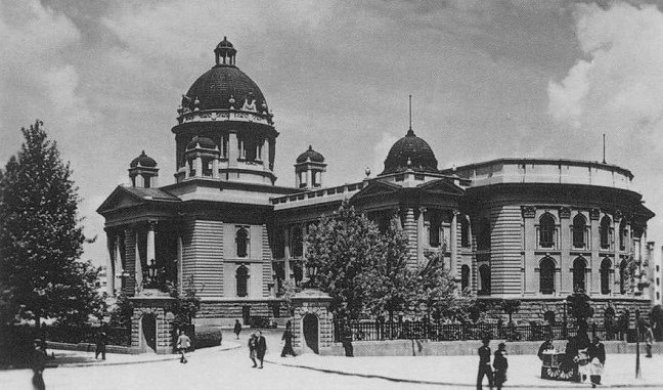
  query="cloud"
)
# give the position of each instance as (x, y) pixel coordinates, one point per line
(618, 87)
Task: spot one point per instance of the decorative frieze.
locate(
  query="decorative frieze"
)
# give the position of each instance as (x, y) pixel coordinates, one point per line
(564, 213)
(528, 211)
(594, 214)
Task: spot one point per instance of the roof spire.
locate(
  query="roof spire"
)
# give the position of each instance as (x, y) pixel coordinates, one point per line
(410, 131)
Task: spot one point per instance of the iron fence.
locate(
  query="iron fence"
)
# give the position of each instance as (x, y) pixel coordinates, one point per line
(376, 330)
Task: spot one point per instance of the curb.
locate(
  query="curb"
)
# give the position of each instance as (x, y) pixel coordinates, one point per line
(163, 358)
(456, 384)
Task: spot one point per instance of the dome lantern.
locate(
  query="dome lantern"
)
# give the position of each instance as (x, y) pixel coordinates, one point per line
(225, 50)
(309, 167)
(143, 171)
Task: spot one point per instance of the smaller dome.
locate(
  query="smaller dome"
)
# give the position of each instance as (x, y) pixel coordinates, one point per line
(311, 155)
(144, 161)
(204, 143)
(224, 43)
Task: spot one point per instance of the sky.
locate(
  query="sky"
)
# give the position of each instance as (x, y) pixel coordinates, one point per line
(509, 78)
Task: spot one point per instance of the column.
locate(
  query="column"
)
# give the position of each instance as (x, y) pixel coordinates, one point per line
(309, 179)
(180, 265)
(421, 235)
(453, 243)
(233, 149)
(119, 267)
(530, 282)
(565, 260)
(110, 272)
(286, 253)
(215, 167)
(410, 228)
(595, 242)
(129, 287)
(138, 264)
(198, 165)
(265, 154)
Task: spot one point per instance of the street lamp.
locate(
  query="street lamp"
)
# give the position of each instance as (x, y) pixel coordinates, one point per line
(311, 272)
(152, 271)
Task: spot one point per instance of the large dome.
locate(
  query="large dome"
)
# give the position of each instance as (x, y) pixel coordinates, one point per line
(410, 152)
(216, 87)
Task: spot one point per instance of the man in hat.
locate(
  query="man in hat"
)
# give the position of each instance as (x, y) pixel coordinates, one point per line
(500, 365)
(484, 365)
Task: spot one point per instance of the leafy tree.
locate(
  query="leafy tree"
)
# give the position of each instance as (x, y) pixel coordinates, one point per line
(185, 305)
(342, 247)
(434, 287)
(122, 312)
(41, 238)
(580, 309)
(388, 281)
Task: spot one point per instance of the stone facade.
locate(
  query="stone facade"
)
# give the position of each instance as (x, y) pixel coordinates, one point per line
(145, 337)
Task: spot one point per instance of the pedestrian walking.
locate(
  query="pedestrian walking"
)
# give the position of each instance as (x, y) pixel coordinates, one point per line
(100, 344)
(287, 341)
(597, 360)
(253, 343)
(261, 348)
(237, 329)
(38, 364)
(183, 343)
(346, 340)
(500, 365)
(649, 339)
(484, 364)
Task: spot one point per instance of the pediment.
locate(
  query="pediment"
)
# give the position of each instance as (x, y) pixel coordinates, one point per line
(377, 189)
(120, 198)
(442, 187)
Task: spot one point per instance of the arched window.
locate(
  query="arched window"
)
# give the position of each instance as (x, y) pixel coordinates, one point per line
(546, 231)
(242, 276)
(464, 232)
(547, 276)
(579, 231)
(242, 242)
(297, 242)
(483, 239)
(464, 277)
(484, 274)
(604, 232)
(605, 276)
(622, 235)
(622, 277)
(579, 267)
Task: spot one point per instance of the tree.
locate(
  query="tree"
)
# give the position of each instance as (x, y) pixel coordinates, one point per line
(41, 238)
(388, 281)
(510, 306)
(185, 305)
(434, 287)
(580, 309)
(342, 248)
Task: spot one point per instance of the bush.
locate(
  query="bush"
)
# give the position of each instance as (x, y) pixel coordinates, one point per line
(207, 337)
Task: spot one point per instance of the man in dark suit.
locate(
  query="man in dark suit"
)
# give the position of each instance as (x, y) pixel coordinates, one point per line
(261, 347)
(484, 365)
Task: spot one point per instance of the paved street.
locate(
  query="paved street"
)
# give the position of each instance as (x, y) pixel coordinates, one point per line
(217, 369)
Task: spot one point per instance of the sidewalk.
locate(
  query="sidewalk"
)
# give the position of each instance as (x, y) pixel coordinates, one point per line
(461, 371)
(65, 358)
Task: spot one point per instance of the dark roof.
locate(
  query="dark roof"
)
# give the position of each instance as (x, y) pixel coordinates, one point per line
(312, 155)
(410, 152)
(144, 160)
(204, 142)
(224, 43)
(214, 89)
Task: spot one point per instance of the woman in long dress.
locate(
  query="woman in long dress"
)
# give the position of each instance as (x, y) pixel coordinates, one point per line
(597, 361)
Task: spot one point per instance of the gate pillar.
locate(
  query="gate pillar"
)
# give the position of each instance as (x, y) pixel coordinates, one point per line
(313, 302)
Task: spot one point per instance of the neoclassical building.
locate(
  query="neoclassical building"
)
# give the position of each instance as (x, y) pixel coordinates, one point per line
(532, 229)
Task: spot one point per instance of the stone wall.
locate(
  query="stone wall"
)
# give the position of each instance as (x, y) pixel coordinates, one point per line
(164, 324)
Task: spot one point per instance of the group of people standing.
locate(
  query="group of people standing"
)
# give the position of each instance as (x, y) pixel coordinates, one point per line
(497, 373)
(583, 360)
